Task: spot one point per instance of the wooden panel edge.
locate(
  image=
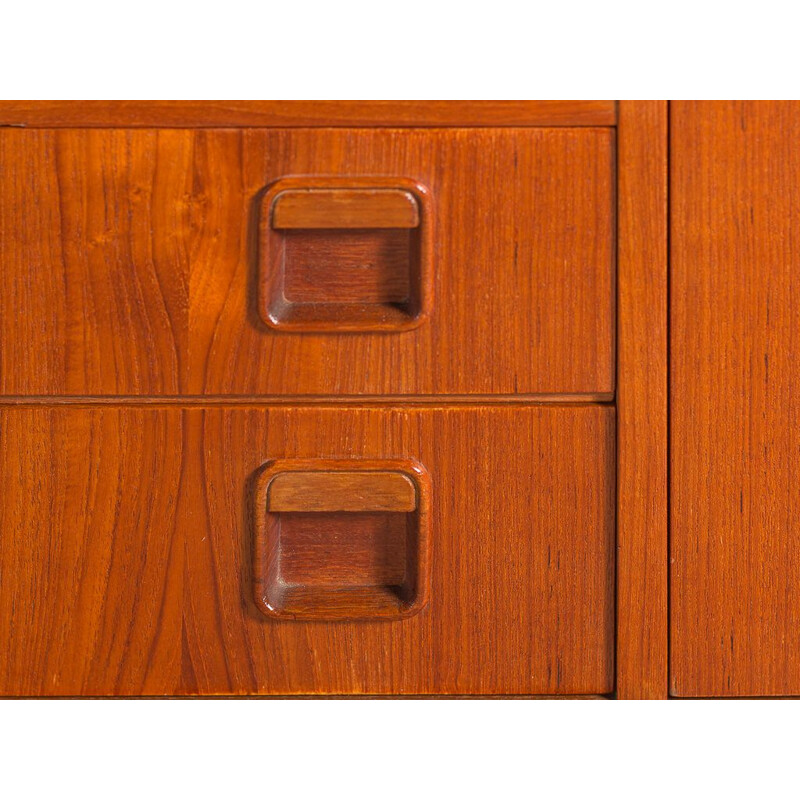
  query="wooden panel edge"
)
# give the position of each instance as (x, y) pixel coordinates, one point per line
(335, 401)
(642, 411)
(305, 113)
(296, 209)
(341, 491)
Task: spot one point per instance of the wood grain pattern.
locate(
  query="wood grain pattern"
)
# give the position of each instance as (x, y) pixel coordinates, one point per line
(343, 550)
(304, 113)
(523, 264)
(336, 564)
(133, 255)
(508, 401)
(126, 565)
(735, 443)
(642, 548)
(341, 491)
(347, 280)
(95, 241)
(127, 558)
(345, 208)
(338, 567)
(91, 556)
(347, 267)
(522, 527)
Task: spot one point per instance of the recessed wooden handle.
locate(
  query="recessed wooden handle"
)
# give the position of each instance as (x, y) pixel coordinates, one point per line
(345, 208)
(341, 491)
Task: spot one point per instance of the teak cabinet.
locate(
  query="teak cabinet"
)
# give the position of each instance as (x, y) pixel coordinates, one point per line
(396, 398)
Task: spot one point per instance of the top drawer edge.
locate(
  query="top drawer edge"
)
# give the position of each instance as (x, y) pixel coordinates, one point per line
(305, 113)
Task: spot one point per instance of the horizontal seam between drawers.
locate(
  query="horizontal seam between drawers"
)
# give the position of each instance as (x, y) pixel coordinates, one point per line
(600, 398)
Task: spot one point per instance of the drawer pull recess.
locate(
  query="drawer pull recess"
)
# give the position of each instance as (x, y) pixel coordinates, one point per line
(345, 255)
(339, 540)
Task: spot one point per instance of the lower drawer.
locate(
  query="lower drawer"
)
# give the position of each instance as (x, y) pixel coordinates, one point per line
(149, 551)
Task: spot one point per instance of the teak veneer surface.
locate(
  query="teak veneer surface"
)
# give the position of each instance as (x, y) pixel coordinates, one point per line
(129, 299)
(341, 491)
(93, 552)
(735, 383)
(344, 208)
(341, 539)
(96, 238)
(127, 553)
(304, 113)
(641, 401)
(134, 255)
(522, 265)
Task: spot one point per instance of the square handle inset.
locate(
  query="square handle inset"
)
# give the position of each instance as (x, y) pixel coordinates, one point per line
(345, 255)
(342, 539)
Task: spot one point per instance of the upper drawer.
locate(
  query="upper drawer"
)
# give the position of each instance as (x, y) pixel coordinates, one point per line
(95, 243)
(153, 262)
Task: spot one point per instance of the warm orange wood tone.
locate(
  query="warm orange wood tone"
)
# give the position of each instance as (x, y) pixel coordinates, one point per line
(304, 113)
(322, 400)
(735, 384)
(321, 550)
(99, 231)
(341, 491)
(96, 237)
(353, 550)
(345, 208)
(347, 267)
(522, 532)
(372, 273)
(523, 265)
(642, 552)
(101, 504)
(284, 386)
(91, 551)
(338, 567)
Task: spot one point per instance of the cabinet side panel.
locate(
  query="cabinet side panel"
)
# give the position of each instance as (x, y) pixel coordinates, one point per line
(735, 425)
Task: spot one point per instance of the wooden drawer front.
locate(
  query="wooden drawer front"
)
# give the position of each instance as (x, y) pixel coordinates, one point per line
(95, 242)
(92, 555)
(129, 569)
(130, 262)
(521, 265)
